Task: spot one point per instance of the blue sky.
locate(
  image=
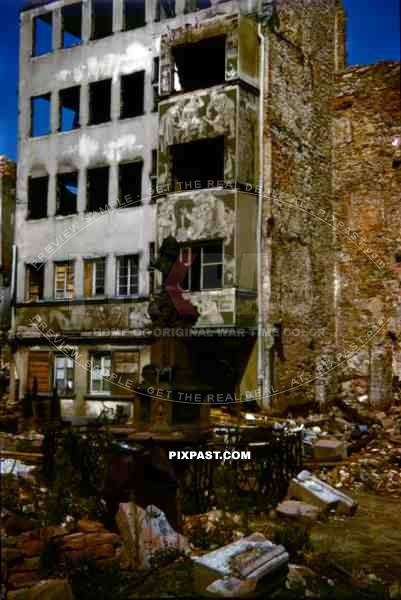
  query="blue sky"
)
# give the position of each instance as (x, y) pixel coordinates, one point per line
(373, 34)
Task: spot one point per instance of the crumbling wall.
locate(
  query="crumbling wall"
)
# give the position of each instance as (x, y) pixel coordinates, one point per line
(298, 268)
(367, 187)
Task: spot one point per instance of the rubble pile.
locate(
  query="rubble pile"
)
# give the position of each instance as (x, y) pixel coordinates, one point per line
(26, 553)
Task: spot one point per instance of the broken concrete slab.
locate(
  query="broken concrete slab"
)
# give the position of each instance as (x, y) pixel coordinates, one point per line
(145, 532)
(311, 489)
(253, 558)
(301, 511)
(329, 449)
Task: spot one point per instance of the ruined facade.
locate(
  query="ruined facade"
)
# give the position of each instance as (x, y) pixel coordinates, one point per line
(140, 121)
(7, 205)
(367, 191)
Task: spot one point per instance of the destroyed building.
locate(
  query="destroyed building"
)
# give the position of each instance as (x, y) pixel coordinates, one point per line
(7, 206)
(239, 138)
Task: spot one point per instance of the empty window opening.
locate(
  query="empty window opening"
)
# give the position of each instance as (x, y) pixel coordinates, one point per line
(205, 262)
(42, 34)
(100, 102)
(200, 65)
(97, 188)
(100, 373)
(34, 282)
(102, 18)
(127, 283)
(94, 277)
(155, 83)
(37, 197)
(69, 108)
(151, 269)
(67, 193)
(153, 173)
(192, 5)
(71, 25)
(64, 280)
(132, 94)
(64, 374)
(130, 184)
(165, 9)
(40, 115)
(134, 14)
(198, 165)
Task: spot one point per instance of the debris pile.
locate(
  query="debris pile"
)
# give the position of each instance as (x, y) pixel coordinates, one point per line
(25, 552)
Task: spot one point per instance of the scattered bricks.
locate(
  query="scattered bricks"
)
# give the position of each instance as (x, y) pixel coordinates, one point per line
(73, 541)
(23, 579)
(52, 532)
(32, 547)
(96, 539)
(11, 554)
(329, 450)
(102, 551)
(302, 511)
(87, 526)
(28, 564)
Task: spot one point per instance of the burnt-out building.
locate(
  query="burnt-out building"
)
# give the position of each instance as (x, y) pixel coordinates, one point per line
(210, 122)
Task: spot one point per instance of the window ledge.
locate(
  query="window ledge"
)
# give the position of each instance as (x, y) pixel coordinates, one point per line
(61, 217)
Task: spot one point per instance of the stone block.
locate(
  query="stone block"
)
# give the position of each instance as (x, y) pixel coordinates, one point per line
(330, 450)
(311, 489)
(301, 511)
(251, 559)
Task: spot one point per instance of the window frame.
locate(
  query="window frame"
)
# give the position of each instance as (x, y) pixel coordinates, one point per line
(65, 391)
(103, 391)
(203, 264)
(67, 263)
(93, 285)
(29, 267)
(129, 275)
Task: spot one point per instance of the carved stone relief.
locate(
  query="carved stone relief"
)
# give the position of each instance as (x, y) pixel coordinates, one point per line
(195, 216)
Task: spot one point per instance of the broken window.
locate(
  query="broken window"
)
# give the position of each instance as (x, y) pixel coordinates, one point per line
(155, 83)
(66, 193)
(71, 25)
(40, 115)
(100, 102)
(64, 374)
(42, 34)
(94, 277)
(134, 14)
(130, 184)
(127, 283)
(63, 280)
(151, 270)
(165, 9)
(34, 282)
(97, 188)
(153, 173)
(205, 266)
(37, 197)
(100, 373)
(69, 108)
(192, 5)
(200, 65)
(132, 94)
(198, 165)
(102, 18)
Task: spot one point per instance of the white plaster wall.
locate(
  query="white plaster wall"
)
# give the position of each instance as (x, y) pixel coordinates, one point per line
(122, 231)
